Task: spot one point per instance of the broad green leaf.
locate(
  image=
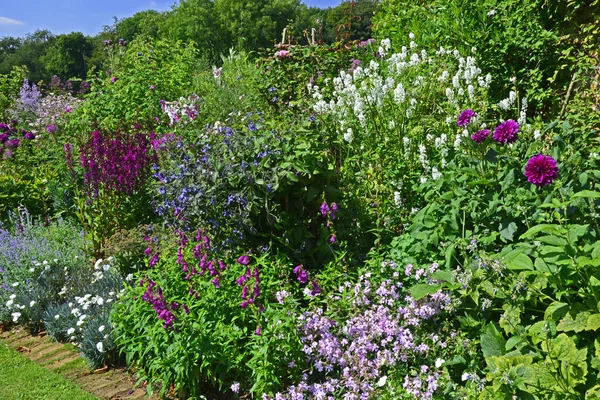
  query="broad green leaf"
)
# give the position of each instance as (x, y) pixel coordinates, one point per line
(518, 262)
(568, 324)
(507, 229)
(547, 228)
(593, 322)
(492, 342)
(421, 290)
(543, 266)
(556, 311)
(552, 240)
(441, 275)
(589, 194)
(513, 341)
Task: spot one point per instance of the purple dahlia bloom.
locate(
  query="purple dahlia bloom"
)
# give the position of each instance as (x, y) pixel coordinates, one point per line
(243, 260)
(3, 138)
(506, 132)
(114, 79)
(480, 136)
(51, 128)
(465, 117)
(541, 170)
(12, 143)
(29, 136)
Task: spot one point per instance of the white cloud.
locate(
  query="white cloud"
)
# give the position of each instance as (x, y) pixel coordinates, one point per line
(10, 21)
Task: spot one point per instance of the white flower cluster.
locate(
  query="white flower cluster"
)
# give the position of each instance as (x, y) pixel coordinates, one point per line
(182, 110)
(384, 95)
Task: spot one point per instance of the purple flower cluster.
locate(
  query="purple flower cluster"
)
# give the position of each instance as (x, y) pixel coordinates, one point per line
(52, 110)
(465, 117)
(367, 42)
(249, 281)
(28, 101)
(328, 211)
(355, 63)
(156, 299)
(10, 138)
(506, 132)
(301, 274)
(480, 136)
(116, 162)
(541, 170)
(348, 358)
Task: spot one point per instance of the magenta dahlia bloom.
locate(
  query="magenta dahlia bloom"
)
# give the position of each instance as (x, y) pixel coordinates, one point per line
(541, 170)
(480, 136)
(506, 132)
(465, 117)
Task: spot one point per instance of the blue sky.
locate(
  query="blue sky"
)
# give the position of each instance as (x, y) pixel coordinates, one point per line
(19, 17)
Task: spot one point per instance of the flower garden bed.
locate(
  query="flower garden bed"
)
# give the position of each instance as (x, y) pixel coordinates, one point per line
(357, 221)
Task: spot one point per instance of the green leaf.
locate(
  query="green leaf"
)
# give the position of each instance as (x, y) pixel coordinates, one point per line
(568, 324)
(548, 228)
(441, 275)
(542, 266)
(552, 240)
(492, 342)
(589, 194)
(556, 311)
(518, 261)
(513, 341)
(421, 290)
(507, 229)
(593, 322)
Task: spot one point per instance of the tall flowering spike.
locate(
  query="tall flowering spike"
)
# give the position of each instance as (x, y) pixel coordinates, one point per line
(480, 136)
(506, 132)
(118, 162)
(541, 170)
(465, 117)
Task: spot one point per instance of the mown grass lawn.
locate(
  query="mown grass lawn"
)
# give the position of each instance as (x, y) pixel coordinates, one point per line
(23, 379)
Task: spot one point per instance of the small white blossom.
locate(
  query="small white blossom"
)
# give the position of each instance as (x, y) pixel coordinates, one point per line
(100, 347)
(348, 136)
(101, 328)
(16, 316)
